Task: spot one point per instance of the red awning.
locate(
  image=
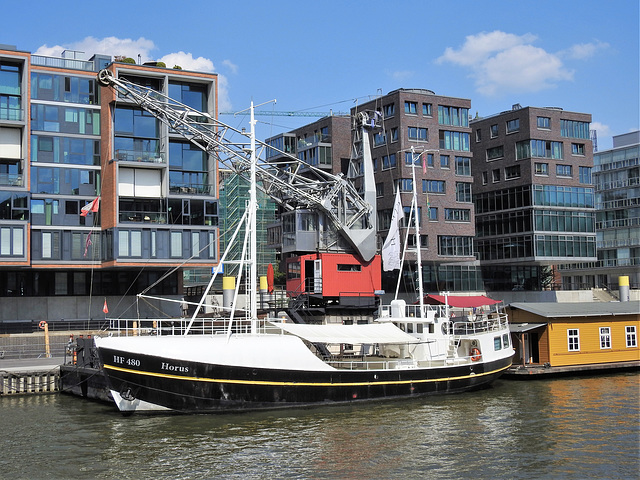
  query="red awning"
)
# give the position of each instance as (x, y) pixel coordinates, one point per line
(460, 302)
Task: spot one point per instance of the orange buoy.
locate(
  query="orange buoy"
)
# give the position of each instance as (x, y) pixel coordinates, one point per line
(475, 354)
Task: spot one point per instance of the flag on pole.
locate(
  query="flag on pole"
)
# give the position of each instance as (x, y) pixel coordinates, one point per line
(87, 243)
(424, 162)
(105, 309)
(391, 246)
(92, 206)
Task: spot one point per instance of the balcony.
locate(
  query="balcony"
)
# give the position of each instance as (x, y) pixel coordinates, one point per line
(139, 156)
(11, 114)
(191, 189)
(137, 216)
(61, 62)
(11, 180)
(313, 140)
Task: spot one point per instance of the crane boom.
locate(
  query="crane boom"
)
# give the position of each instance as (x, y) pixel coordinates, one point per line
(292, 183)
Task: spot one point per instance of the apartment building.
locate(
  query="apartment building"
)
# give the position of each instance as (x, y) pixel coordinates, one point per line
(616, 176)
(533, 193)
(429, 136)
(65, 142)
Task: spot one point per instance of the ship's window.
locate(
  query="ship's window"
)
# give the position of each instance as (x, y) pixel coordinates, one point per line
(505, 340)
(419, 328)
(497, 343)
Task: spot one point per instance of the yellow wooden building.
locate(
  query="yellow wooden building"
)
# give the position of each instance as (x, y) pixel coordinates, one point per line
(575, 334)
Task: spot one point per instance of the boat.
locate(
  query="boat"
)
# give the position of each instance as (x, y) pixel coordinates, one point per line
(258, 362)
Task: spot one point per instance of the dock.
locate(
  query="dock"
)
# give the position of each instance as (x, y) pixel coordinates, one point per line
(30, 376)
(537, 371)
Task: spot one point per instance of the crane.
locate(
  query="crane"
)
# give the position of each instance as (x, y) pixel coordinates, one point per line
(292, 183)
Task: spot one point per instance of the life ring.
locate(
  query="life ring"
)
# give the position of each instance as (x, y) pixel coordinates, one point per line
(475, 354)
(42, 324)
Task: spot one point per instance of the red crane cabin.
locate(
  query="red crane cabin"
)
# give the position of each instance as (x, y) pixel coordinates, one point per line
(336, 275)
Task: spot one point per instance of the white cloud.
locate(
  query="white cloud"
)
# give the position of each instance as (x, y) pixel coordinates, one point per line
(187, 62)
(581, 51)
(144, 48)
(603, 131)
(231, 66)
(107, 46)
(502, 62)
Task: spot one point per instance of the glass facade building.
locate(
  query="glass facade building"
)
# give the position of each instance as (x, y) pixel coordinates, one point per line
(535, 204)
(65, 141)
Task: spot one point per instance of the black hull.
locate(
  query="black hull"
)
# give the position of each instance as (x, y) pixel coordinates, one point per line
(204, 388)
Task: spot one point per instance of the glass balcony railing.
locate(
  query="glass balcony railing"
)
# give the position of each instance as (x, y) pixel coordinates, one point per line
(11, 179)
(137, 216)
(61, 62)
(13, 114)
(139, 156)
(191, 189)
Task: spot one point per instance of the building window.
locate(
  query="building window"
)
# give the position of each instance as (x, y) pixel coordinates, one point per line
(456, 116)
(130, 243)
(195, 244)
(426, 109)
(495, 152)
(632, 340)
(212, 244)
(454, 140)
(389, 110)
(495, 175)
(433, 213)
(478, 135)
(563, 170)
(453, 246)
(433, 186)
(494, 130)
(393, 135)
(444, 161)
(11, 241)
(577, 149)
(410, 157)
(176, 244)
(513, 125)
(405, 184)
(574, 129)
(585, 175)
(411, 108)
(430, 160)
(389, 161)
(463, 192)
(410, 216)
(573, 338)
(457, 214)
(544, 122)
(463, 166)
(379, 189)
(51, 245)
(512, 172)
(541, 168)
(539, 149)
(420, 134)
(605, 337)
(379, 139)
(485, 177)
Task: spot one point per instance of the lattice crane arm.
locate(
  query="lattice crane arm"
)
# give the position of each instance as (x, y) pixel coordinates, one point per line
(289, 181)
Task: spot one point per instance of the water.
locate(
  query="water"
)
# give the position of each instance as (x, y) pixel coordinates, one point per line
(569, 428)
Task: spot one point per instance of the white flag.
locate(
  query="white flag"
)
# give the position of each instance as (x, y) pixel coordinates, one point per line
(391, 246)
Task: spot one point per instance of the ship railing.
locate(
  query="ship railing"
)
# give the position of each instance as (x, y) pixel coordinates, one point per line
(480, 324)
(397, 363)
(177, 326)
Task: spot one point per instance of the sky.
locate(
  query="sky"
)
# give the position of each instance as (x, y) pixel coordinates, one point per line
(322, 56)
